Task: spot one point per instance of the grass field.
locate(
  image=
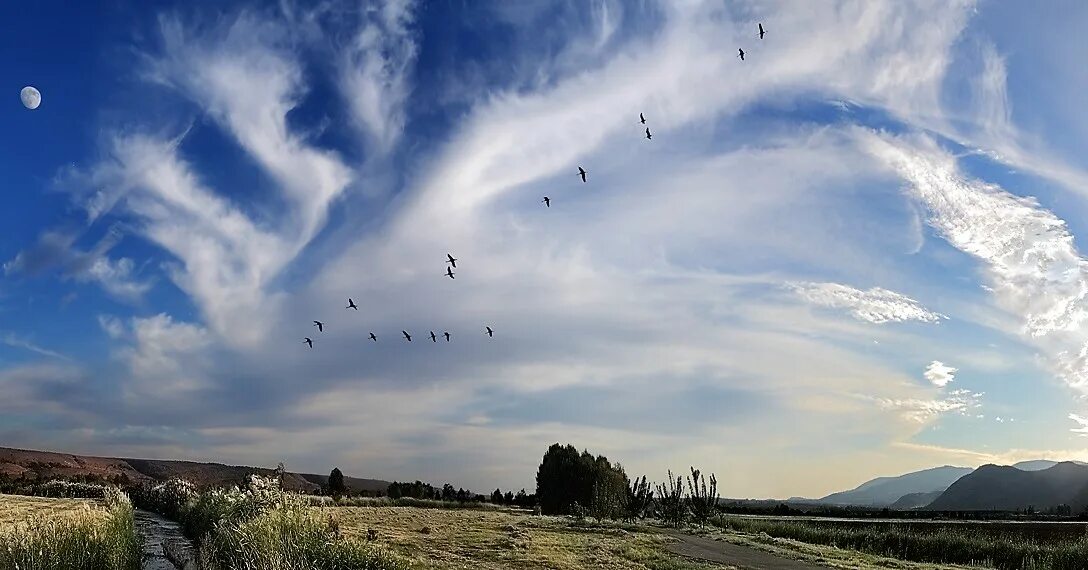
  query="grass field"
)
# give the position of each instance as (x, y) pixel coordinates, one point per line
(436, 538)
(18, 510)
(1007, 546)
(75, 534)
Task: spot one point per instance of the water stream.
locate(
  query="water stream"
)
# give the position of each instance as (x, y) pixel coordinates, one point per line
(158, 532)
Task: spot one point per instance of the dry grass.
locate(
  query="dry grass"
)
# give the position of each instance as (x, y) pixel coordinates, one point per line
(486, 540)
(15, 510)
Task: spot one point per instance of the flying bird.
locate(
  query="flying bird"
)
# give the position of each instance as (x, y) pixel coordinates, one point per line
(761, 32)
(351, 305)
(741, 54)
(582, 173)
(547, 201)
(648, 135)
(449, 273)
(309, 342)
(320, 326)
(407, 336)
(373, 338)
(642, 118)
(451, 260)
(447, 335)
(490, 332)
(433, 338)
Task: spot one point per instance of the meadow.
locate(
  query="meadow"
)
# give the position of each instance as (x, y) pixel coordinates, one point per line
(1007, 546)
(48, 533)
(501, 539)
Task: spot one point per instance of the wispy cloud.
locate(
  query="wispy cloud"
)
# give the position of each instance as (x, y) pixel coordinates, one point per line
(962, 402)
(1029, 258)
(875, 305)
(1082, 425)
(11, 339)
(939, 374)
(375, 72)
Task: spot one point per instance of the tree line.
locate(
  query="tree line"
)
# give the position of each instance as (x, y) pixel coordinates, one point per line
(582, 484)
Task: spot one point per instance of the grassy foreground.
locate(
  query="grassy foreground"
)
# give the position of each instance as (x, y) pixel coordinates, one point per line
(494, 540)
(987, 545)
(75, 534)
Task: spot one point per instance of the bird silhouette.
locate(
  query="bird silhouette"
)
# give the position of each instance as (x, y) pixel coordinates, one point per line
(547, 201)
(373, 338)
(308, 341)
(351, 305)
(433, 338)
(761, 32)
(449, 273)
(582, 173)
(642, 118)
(451, 260)
(741, 54)
(447, 335)
(648, 135)
(407, 336)
(320, 326)
(490, 332)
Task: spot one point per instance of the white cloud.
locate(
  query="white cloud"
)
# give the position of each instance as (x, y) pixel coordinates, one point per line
(1029, 258)
(1082, 425)
(962, 402)
(166, 359)
(375, 70)
(939, 374)
(875, 305)
(112, 326)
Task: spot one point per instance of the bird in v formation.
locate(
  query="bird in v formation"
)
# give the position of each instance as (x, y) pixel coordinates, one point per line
(452, 261)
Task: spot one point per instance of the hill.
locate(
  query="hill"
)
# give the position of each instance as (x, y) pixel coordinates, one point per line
(915, 500)
(885, 491)
(30, 464)
(1006, 488)
(1039, 464)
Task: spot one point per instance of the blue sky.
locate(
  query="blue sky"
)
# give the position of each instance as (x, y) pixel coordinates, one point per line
(855, 253)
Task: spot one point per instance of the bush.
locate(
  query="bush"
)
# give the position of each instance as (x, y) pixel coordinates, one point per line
(671, 507)
(261, 527)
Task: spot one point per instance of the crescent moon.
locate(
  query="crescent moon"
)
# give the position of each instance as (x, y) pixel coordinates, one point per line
(31, 97)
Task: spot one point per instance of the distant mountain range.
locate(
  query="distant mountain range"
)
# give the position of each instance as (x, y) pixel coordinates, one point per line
(885, 491)
(1005, 488)
(49, 465)
(1040, 483)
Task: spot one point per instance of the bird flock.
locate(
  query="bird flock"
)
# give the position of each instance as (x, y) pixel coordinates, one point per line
(451, 261)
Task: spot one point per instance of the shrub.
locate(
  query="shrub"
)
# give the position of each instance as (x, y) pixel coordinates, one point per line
(703, 500)
(671, 507)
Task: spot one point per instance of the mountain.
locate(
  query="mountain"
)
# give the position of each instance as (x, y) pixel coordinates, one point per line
(885, 491)
(915, 500)
(1008, 488)
(1039, 464)
(48, 465)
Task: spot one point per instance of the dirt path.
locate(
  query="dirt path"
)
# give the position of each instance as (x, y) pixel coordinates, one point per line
(710, 550)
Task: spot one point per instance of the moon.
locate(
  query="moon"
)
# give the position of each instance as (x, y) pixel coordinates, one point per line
(31, 97)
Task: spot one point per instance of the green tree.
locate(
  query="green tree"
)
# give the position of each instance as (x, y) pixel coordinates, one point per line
(670, 501)
(336, 483)
(496, 497)
(702, 500)
(639, 499)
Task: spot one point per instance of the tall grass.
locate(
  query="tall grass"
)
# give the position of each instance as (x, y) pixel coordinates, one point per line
(262, 527)
(961, 544)
(77, 542)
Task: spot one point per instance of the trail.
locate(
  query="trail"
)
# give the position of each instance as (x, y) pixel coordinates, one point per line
(710, 550)
(158, 532)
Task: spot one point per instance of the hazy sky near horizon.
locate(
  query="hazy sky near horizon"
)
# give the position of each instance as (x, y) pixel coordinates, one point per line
(855, 253)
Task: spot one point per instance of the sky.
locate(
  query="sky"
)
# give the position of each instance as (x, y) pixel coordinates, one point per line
(854, 253)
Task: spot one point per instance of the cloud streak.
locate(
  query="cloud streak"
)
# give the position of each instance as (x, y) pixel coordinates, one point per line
(875, 305)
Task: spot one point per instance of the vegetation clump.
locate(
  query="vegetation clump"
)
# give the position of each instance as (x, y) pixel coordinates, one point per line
(80, 541)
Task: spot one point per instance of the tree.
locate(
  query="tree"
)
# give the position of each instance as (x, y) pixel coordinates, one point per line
(508, 498)
(336, 483)
(609, 495)
(448, 492)
(566, 477)
(639, 499)
(703, 500)
(462, 496)
(496, 497)
(670, 501)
